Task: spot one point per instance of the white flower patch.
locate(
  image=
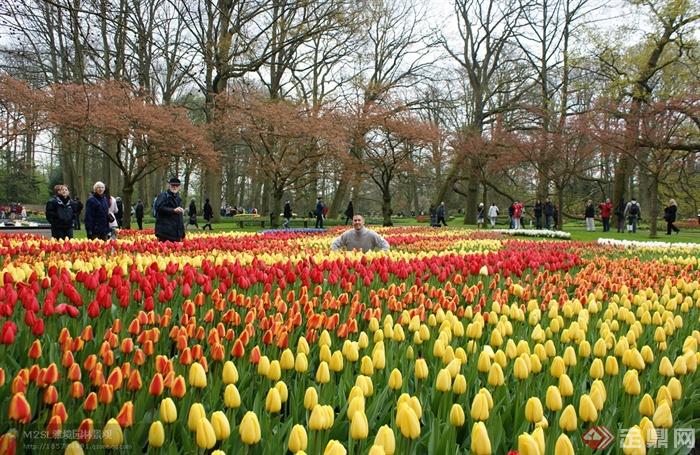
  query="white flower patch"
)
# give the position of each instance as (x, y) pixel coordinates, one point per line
(648, 244)
(534, 233)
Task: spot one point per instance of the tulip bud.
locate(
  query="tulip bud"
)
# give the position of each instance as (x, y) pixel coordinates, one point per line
(232, 399)
(634, 442)
(323, 376)
(631, 383)
(20, 410)
(395, 379)
(675, 388)
(310, 398)
(168, 411)
(662, 416)
(443, 382)
(298, 439)
(359, 428)
(196, 413)
(220, 423)
(198, 378)
(112, 435)
(408, 422)
(527, 445)
(287, 359)
(520, 369)
(586, 409)
(230, 373)
(496, 377)
(273, 401)
(206, 438)
(421, 369)
(457, 415)
(74, 448)
(301, 363)
(480, 407)
(178, 388)
(156, 434)
(249, 429)
(533, 410)
(385, 439)
(566, 387)
(564, 446)
(646, 406)
(553, 399)
(480, 443)
(334, 448)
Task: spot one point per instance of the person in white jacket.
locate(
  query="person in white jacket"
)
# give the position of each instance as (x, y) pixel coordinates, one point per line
(493, 213)
(112, 210)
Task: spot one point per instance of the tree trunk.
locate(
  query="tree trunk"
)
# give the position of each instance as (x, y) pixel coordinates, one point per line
(276, 203)
(653, 203)
(386, 207)
(472, 190)
(127, 194)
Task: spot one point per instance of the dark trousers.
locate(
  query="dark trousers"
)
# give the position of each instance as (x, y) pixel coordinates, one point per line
(319, 221)
(76, 222)
(62, 233)
(207, 224)
(620, 223)
(671, 227)
(606, 224)
(441, 220)
(538, 221)
(139, 221)
(347, 218)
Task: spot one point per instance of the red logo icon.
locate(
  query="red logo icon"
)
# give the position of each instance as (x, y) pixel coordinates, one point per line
(598, 438)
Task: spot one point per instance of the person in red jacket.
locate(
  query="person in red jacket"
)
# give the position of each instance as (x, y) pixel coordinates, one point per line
(605, 212)
(517, 215)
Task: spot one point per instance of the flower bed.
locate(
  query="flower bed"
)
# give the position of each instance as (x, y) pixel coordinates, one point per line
(545, 233)
(268, 343)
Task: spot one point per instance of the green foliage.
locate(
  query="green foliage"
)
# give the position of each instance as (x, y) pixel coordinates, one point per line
(19, 182)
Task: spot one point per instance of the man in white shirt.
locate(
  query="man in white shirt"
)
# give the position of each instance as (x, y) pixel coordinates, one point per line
(359, 238)
(493, 213)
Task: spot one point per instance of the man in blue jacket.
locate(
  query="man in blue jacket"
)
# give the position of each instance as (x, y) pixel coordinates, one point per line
(170, 224)
(97, 214)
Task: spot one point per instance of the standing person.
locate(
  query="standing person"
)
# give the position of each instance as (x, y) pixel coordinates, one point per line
(480, 213)
(138, 211)
(77, 209)
(192, 214)
(517, 215)
(359, 238)
(433, 215)
(538, 208)
(319, 213)
(441, 212)
(511, 211)
(349, 212)
(170, 225)
(287, 214)
(112, 216)
(670, 213)
(97, 214)
(620, 214)
(605, 211)
(208, 214)
(493, 214)
(555, 218)
(60, 213)
(120, 212)
(589, 214)
(633, 212)
(548, 210)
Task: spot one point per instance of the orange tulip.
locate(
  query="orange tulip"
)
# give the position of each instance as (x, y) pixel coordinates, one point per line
(90, 403)
(20, 409)
(126, 415)
(85, 431)
(134, 383)
(178, 388)
(156, 387)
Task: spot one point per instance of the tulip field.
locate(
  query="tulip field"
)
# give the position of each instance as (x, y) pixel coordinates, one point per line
(454, 341)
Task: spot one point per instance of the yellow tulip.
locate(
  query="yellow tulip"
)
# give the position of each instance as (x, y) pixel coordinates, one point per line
(553, 399)
(480, 443)
(676, 389)
(533, 410)
(356, 404)
(334, 448)
(443, 383)
(457, 415)
(112, 435)
(611, 366)
(274, 372)
(232, 398)
(460, 384)
(520, 369)
(168, 411)
(634, 442)
(206, 437)
(558, 367)
(198, 378)
(566, 387)
(287, 359)
(484, 363)
(283, 391)
(196, 413)
(420, 369)
(336, 363)
(597, 370)
(407, 421)
(74, 448)
(230, 373)
(310, 398)
(666, 368)
(480, 407)
(631, 384)
(385, 439)
(301, 363)
(527, 445)
(318, 418)
(273, 401)
(323, 376)
(298, 439)
(538, 436)
(221, 425)
(359, 428)
(646, 406)
(568, 421)
(249, 429)
(586, 409)
(648, 431)
(662, 416)
(156, 434)
(564, 446)
(496, 377)
(395, 379)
